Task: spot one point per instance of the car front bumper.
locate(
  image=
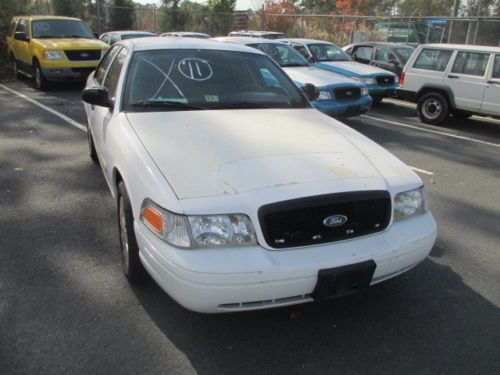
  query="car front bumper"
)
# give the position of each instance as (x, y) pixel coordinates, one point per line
(63, 74)
(251, 278)
(345, 108)
(382, 91)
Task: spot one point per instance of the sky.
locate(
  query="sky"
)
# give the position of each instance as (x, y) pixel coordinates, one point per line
(240, 4)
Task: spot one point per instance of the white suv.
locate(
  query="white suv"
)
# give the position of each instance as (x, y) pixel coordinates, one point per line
(457, 79)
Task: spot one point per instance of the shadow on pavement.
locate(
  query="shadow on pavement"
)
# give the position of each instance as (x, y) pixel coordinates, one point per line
(469, 127)
(426, 322)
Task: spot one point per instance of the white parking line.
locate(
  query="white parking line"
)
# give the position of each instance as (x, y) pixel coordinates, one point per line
(44, 107)
(431, 131)
(421, 171)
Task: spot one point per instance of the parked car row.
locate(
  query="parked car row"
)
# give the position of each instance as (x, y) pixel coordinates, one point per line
(441, 79)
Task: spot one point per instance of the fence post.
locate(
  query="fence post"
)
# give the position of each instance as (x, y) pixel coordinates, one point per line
(343, 30)
(477, 30)
(98, 4)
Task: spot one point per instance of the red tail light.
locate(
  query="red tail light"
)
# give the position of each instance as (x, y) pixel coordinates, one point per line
(402, 78)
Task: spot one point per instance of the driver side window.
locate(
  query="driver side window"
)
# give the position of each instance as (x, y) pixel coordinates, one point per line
(383, 55)
(100, 72)
(111, 80)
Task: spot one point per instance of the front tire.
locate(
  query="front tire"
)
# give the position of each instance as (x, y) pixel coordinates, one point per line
(40, 80)
(433, 108)
(131, 263)
(92, 151)
(15, 70)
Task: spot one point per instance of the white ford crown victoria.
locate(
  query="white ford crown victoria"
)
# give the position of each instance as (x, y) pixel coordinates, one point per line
(234, 194)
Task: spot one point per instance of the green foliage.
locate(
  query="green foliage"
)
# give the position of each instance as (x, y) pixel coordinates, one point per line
(222, 15)
(122, 14)
(70, 8)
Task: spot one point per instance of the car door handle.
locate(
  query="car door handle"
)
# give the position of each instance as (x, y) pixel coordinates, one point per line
(451, 76)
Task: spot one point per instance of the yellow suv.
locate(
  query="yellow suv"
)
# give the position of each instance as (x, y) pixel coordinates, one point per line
(50, 48)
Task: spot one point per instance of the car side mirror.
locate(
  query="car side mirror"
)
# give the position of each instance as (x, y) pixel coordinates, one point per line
(393, 62)
(21, 35)
(97, 96)
(96, 35)
(311, 59)
(311, 91)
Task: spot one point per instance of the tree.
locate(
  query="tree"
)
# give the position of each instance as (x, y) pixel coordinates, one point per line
(122, 14)
(222, 12)
(279, 23)
(70, 8)
(170, 16)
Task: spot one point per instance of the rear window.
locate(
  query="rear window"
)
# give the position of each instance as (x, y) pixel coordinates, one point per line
(433, 59)
(471, 63)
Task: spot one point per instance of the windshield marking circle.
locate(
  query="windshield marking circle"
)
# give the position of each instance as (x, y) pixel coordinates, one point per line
(195, 69)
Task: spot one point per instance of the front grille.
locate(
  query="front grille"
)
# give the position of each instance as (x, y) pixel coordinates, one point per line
(83, 70)
(83, 55)
(347, 93)
(385, 80)
(300, 222)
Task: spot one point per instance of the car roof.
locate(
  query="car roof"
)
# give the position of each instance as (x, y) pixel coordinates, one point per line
(128, 32)
(462, 47)
(305, 40)
(185, 33)
(34, 18)
(382, 44)
(154, 43)
(247, 40)
(256, 32)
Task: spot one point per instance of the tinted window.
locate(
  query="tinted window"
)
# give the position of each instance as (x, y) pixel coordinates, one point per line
(382, 54)
(111, 81)
(433, 59)
(104, 64)
(283, 54)
(363, 53)
(496, 67)
(60, 29)
(471, 63)
(172, 80)
(138, 35)
(404, 53)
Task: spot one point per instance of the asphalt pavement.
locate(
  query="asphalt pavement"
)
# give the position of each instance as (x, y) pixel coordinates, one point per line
(65, 307)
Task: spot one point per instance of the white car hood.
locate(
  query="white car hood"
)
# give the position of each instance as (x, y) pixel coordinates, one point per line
(356, 67)
(228, 152)
(318, 77)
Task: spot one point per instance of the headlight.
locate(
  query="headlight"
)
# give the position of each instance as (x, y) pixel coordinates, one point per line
(364, 91)
(396, 79)
(369, 81)
(198, 230)
(409, 203)
(52, 55)
(325, 95)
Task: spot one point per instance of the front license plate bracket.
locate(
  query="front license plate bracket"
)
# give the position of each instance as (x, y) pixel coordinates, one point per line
(340, 281)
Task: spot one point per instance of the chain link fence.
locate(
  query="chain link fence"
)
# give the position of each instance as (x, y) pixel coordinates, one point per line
(340, 29)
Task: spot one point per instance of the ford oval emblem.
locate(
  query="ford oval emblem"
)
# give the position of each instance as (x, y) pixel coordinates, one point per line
(335, 221)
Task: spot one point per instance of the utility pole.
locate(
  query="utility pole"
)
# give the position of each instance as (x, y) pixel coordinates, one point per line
(456, 6)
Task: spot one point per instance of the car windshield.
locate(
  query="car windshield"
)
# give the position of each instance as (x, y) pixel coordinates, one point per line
(199, 36)
(404, 53)
(283, 54)
(60, 29)
(328, 52)
(138, 35)
(174, 80)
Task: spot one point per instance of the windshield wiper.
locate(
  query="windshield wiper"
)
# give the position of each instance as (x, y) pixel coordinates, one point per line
(292, 65)
(166, 104)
